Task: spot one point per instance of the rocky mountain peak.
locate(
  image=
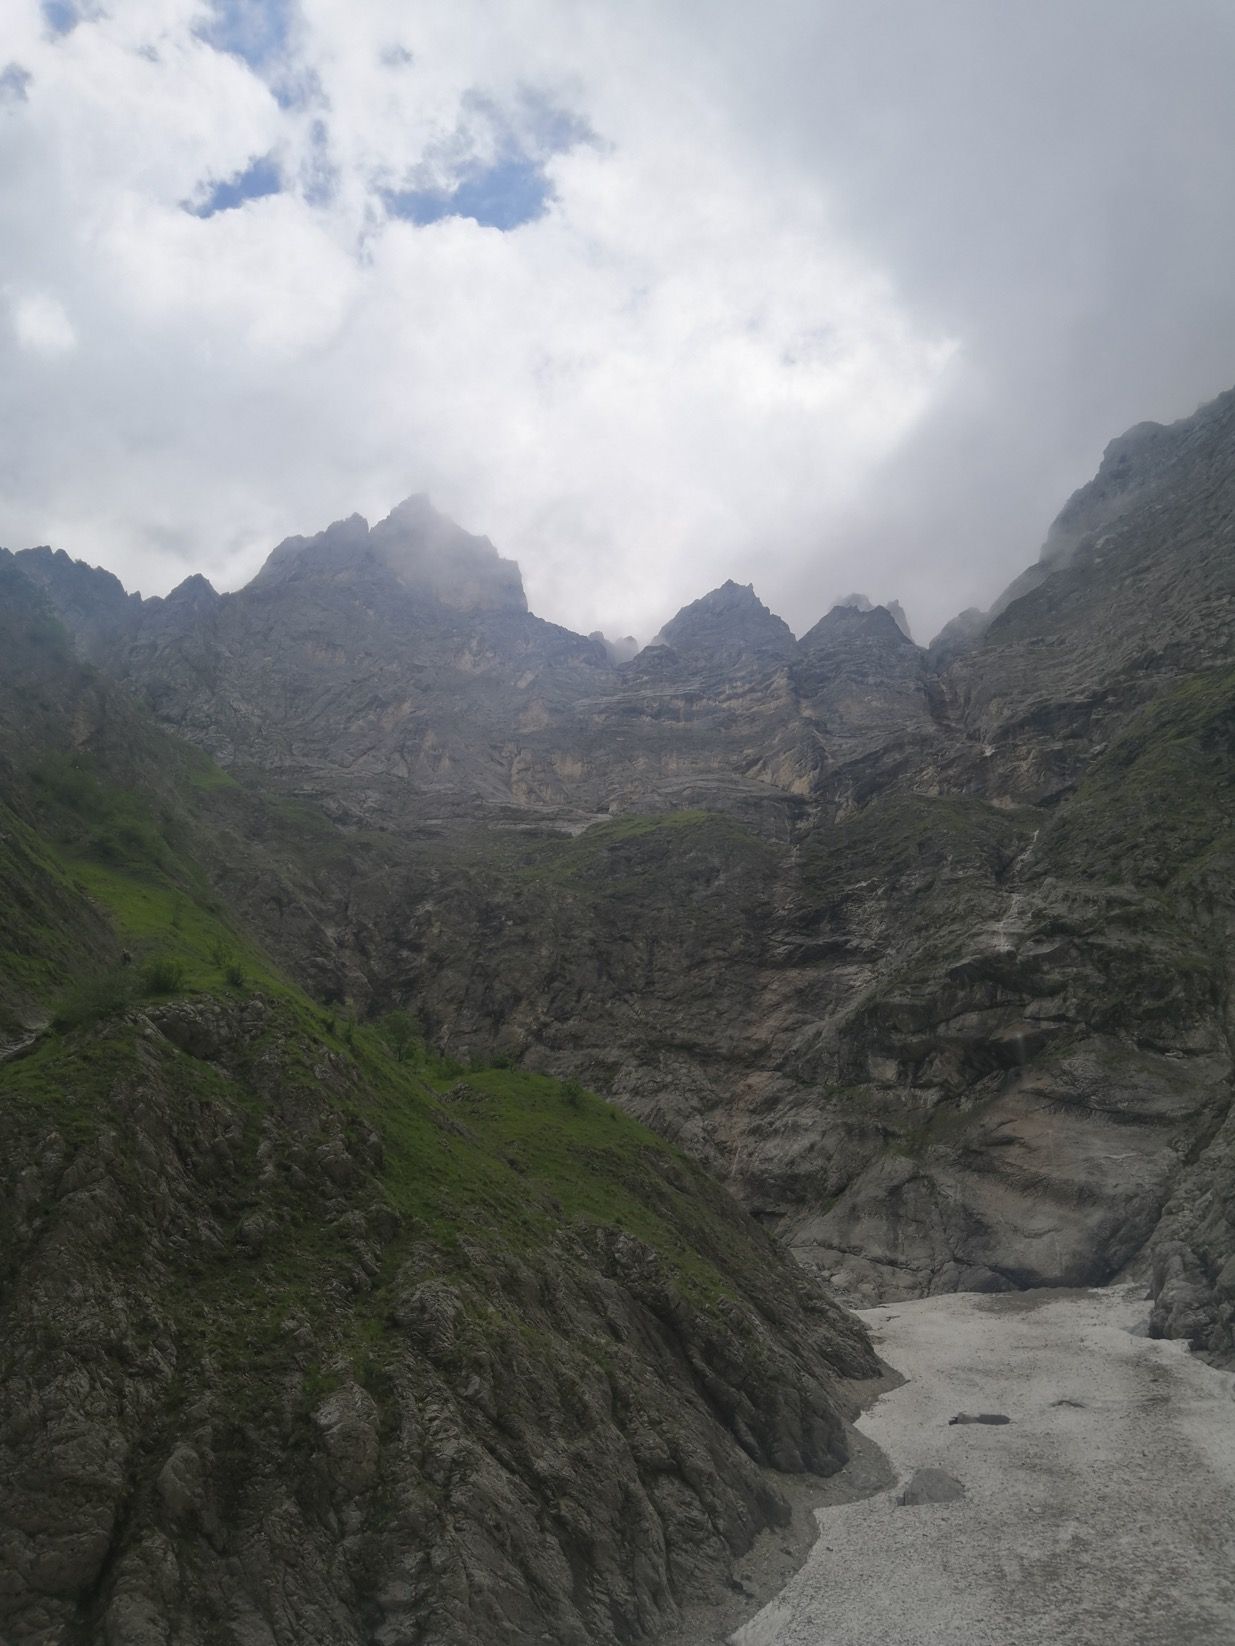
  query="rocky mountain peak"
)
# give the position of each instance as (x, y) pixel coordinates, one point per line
(424, 549)
(850, 627)
(91, 601)
(194, 591)
(729, 619)
(863, 603)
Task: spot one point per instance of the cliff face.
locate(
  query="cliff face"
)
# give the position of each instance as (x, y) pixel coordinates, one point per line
(309, 1336)
(927, 952)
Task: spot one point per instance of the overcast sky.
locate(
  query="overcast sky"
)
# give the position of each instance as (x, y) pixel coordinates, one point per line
(820, 294)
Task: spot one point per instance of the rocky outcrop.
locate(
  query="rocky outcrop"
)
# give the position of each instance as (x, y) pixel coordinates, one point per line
(248, 1396)
(862, 683)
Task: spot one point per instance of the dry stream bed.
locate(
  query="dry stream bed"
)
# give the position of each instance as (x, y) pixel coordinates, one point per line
(1102, 1513)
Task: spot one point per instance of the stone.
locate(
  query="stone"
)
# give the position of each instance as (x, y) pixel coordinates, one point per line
(930, 1486)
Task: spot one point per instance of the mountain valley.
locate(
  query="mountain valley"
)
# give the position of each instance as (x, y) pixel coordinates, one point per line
(454, 1075)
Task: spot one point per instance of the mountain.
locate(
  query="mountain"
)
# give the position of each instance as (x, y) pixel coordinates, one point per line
(925, 953)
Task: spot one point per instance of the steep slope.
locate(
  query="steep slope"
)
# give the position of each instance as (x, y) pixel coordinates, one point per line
(306, 1334)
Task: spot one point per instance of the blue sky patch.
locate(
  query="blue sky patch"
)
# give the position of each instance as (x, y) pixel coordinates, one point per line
(259, 178)
(258, 31)
(506, 188)
(505, 195)
(61, 16)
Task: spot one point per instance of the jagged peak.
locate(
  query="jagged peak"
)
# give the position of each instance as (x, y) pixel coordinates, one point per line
(727, 618)
(464, 570)
(195, 589)
(848, 623)
(58, 569)
(424, 548)
(863, 603)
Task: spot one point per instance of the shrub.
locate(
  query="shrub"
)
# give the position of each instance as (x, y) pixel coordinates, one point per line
(162, 975)
(233, 973)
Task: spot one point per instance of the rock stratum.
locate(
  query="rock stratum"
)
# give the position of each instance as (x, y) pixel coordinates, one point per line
(924, 953)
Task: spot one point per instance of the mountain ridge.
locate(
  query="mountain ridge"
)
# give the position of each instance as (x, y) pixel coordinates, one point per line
(865, 853)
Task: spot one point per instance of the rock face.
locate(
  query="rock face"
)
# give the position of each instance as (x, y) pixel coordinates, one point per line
(926, 952)
(309, 1337)
(244, 1397)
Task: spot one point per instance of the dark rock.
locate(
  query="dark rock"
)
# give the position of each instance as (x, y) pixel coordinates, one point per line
(930, 1486)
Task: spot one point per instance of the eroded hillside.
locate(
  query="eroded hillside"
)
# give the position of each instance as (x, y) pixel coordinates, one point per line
(308, 1334)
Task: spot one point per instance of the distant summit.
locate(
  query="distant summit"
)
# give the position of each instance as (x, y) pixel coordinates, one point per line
(848, 624)
(424, 548)
(617, 651)
(730, 619)
(860, 602)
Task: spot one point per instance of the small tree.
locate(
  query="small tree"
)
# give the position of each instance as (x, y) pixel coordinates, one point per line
(400, 1031)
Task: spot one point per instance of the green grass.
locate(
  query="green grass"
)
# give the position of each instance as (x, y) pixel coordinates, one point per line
(634, 852)
(1158, 808)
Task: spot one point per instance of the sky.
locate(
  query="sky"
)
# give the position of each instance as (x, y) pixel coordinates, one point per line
(823, 295)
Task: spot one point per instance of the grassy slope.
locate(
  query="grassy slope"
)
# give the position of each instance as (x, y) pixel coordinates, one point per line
(1158, 807)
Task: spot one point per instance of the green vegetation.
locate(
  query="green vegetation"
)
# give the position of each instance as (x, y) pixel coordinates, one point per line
(468, 1161)
(642, 852)
(94, 819)
(906, 834)
(1159, 806)
(402, 1033)
(91, 999)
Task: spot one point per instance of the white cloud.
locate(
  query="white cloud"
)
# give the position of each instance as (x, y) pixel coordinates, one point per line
(703, 360)
(41, 326)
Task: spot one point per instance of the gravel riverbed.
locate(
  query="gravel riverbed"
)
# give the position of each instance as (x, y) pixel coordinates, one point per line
(1101, 1514)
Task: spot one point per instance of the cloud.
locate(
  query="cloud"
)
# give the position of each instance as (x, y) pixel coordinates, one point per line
(13, 82)
(41, 326)
(826, 297)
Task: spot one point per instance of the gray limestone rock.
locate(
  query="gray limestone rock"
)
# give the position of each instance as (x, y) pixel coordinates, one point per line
(930, 1486)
